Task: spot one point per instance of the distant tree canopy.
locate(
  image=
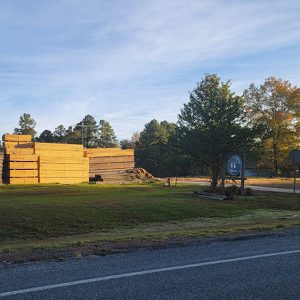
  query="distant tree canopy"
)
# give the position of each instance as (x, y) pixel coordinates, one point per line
(26, 125)
(130, 144)
(275, 106)
(157, 150)
(46, 136)
(86, 132)
(212, 124)
(59, 134)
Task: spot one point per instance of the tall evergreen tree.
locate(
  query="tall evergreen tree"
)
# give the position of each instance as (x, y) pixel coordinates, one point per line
(156, 150)
(26, 125)
(60, 134)
(88, 130)
(106, 135)
(212, 124)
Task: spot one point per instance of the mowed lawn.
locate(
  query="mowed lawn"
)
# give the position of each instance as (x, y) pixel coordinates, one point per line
(73, 213)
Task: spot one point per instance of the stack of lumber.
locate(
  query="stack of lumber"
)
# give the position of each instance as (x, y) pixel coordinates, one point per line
(26, 162)
(110, 164)
(20, 164)
(61, 163)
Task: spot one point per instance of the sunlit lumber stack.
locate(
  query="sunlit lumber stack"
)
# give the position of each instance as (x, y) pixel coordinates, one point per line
(110, 164)
(29, 162)
(61, 163)
(20, 164)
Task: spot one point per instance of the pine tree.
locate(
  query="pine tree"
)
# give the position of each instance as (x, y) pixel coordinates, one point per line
(107, 137)
(27, 125)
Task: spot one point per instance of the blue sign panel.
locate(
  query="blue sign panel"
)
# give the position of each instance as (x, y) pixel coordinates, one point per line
(234, 165)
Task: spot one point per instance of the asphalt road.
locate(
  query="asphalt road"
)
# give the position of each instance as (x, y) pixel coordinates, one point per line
(262, 268)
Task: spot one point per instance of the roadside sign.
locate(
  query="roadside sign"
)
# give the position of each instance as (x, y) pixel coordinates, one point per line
(294, 156)
(234, 165)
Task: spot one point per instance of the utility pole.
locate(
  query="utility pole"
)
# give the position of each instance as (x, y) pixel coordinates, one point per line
(82, 132)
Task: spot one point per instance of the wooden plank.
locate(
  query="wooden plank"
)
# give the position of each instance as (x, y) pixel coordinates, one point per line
(58, 147)
(64, 180)
(16, 138)
(21, 157)
(63, 160)
(23, 173)
(108, 159)
(23, 181)
(118, 166)
(62, 154)
(64, 167)
(67, 174)
(108, 171)
(25, 145)
(10, 144)
(22, 165)
(98, 152)
(22, 151)
(18, 145)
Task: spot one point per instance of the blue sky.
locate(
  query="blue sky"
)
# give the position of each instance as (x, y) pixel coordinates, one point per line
(131, 61)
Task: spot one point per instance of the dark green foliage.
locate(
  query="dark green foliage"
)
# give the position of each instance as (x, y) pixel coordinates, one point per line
(26, 125)
(106, 135)
(157, 149)
(46, 137)
(127, 144)
(60, 134)
(87, 130)
(212, 124)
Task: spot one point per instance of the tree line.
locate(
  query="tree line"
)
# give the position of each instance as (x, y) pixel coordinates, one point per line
(214, 124)
(87, 132)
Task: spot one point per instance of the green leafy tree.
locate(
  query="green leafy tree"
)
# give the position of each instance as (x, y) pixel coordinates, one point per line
(106, 135)
(73, 136)
(46, 137)
(156, 149)
(60, 134)
(212, 125)
(88, 131)
(26, 125)
(275, 106)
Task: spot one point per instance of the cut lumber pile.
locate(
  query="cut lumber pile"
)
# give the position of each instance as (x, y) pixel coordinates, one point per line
(27, 162)
(109, 165)
(20, 164)
(61, 163)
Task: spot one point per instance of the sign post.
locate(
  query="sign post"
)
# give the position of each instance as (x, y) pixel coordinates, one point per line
(236, 167)
(294, 157)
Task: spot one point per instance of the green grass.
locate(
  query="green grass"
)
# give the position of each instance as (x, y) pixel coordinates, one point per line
(33, 216)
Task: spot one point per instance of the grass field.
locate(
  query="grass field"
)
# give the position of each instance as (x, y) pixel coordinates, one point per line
(61, 215)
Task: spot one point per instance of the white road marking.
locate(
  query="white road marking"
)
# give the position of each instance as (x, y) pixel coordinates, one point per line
(139, 273)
